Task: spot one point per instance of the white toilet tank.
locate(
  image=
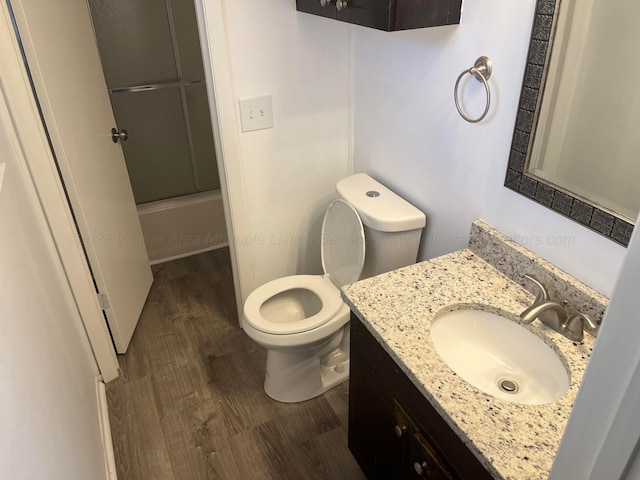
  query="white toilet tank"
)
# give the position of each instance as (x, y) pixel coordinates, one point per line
(392, 225)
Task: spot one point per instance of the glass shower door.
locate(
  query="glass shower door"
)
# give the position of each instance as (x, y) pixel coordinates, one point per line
(150, 53)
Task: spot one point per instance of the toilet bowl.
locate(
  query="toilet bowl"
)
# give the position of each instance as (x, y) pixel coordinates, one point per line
(302, 320)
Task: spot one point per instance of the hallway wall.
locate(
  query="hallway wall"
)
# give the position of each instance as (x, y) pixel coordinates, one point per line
(49, 423)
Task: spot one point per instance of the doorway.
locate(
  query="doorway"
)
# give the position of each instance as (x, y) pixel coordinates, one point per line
(152, 62)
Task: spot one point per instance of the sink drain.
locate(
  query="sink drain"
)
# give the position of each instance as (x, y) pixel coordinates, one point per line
(508, 386)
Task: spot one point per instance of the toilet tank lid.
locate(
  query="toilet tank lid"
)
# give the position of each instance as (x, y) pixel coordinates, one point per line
(379, 207)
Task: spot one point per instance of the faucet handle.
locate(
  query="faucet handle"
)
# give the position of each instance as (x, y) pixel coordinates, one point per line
(577, 324)
(590, 325)
(574, 329)
(542, 295)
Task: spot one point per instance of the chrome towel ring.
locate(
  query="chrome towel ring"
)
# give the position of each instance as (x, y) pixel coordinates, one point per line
(481, 70)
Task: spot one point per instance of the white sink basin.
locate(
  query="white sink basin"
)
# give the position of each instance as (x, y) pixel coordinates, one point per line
(499, 357)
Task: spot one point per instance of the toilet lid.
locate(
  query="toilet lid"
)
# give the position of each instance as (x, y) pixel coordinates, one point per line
(342, 245)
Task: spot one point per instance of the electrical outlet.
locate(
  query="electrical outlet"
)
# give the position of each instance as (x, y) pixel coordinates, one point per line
(256, 113)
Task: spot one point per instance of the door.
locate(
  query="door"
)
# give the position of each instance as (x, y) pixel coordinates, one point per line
(63, 60)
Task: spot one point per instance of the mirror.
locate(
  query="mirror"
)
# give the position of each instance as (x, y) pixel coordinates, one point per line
(575, 141)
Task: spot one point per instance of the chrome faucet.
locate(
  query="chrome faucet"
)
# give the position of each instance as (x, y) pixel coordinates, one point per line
(557, 320)
(555, 316)
(550, 313)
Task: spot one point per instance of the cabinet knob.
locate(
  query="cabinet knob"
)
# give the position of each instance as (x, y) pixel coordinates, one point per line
(400, 430)
(421, 468)
(341, 4)
(325, 3)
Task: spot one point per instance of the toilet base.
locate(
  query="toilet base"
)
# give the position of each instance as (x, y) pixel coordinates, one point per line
(296, 376)
(310, 379)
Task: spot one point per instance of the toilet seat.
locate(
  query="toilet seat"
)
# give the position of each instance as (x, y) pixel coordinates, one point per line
(320, 285)
(342, 251)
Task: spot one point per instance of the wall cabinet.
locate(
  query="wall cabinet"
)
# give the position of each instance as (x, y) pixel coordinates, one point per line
(394, 432)
(389, 15)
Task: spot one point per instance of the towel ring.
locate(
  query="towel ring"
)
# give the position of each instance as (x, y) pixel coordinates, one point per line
(481, 70)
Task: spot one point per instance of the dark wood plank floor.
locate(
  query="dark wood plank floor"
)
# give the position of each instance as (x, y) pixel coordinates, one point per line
(190, 405)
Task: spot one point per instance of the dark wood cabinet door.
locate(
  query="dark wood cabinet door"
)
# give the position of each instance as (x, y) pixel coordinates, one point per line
(372, 437)
(314, 7)
(388, 15)
(381, 396)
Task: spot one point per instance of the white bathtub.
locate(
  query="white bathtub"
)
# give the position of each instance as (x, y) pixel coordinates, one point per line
(183, 226)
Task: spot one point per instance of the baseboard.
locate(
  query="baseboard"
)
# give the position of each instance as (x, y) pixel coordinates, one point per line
(105, 431)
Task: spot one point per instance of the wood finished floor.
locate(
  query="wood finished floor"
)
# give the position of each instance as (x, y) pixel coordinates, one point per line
(189, 403)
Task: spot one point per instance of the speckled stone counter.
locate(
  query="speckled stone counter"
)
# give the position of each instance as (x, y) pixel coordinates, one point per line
(513, 441)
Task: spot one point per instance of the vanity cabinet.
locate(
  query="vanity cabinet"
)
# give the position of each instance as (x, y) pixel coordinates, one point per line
(389, 15)
(394, 432)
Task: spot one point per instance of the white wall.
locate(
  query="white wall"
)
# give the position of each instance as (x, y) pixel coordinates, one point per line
(408, 134)
(49, 423)
(280, 180)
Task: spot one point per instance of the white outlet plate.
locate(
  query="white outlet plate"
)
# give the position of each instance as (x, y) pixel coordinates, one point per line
(256, 113)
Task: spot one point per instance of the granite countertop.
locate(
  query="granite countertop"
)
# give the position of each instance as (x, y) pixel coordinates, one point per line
(513, 441)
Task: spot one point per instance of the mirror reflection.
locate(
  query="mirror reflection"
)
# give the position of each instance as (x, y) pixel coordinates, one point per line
(574, 139)
(587, 139)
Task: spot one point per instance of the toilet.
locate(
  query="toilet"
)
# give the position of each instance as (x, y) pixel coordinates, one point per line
(302, 320)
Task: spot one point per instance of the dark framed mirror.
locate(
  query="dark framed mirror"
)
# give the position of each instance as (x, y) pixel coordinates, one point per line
(545, 65)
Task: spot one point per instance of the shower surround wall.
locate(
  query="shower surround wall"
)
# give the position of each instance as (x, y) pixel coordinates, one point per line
(152, 63)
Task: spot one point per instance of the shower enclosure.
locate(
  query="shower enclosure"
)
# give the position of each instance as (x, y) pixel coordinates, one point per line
(152, 63)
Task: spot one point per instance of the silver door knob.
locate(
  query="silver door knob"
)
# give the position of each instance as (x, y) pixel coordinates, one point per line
(119, 135)
(341, 4)
(325, 3)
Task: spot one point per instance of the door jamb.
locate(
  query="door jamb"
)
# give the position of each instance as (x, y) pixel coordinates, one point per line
(217, 67)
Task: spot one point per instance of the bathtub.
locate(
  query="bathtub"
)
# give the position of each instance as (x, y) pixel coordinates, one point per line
(183, 226)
